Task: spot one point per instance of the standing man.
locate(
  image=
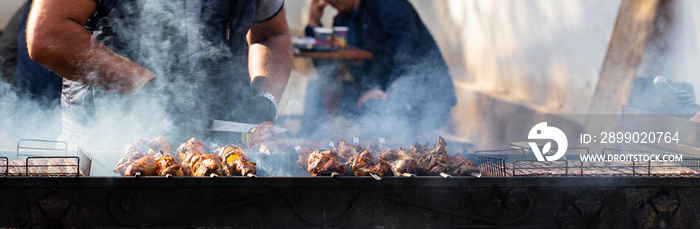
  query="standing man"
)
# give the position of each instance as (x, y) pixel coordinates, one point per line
(406, 88)
(143, 67)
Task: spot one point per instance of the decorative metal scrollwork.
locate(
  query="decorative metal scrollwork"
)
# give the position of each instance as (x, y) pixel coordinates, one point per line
(52, 212)
(665, 211)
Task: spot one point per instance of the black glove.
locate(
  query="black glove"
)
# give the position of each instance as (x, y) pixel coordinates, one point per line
(261, 108)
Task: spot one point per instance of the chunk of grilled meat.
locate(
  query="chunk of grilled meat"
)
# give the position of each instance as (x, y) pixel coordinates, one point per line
(417, 150)
(211, 164)
(147, 166)
(304, 155)
(160, 145)
(464, 170)
(364, 159)
(230, 152)
(460, 166)
(126, 160)
(403, 165)
(148, 146)
(168, 165)
(364, 164)
(263, 138)
(192, 162)
(192, 146)
(236, 162)
(458, 160)
(202, 165)
(389, 155)
(400, 161)
(324, 164)
(435, 161)
(240, 167)
(347, 150)
(379, 169)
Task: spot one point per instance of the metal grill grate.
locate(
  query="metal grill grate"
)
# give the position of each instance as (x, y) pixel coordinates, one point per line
(45, 158)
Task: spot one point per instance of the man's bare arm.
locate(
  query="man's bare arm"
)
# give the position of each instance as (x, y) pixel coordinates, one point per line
(271, 54)
(57, 39)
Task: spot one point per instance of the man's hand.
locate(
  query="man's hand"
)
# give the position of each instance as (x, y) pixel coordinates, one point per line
(316, 12)
(261, 108)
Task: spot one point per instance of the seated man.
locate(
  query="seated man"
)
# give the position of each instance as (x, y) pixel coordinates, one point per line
(405, 89)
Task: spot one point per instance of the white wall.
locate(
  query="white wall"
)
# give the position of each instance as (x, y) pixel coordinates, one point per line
(676, 54)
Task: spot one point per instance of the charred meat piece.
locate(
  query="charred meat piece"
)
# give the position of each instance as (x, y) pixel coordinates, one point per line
(460, 166)
(332, 166)
(202, 165)
(304, 155)
(364, 164)
(240, 167)
(379, 169)
(263, 138)
(324, 164)
(403, 165)
(142, 148)
(417, 150)
(435, 161)
(192, 146)
(464, 170)
(400, 162)
(230, 152)
(458, 159)
(363, 160)
(347, 150)
(147, 166)
(168, 165)
(126, 160)
(191, 163)
(389, 155)
(160, 145)
(236, 162)
(210, 165)
(149, 147)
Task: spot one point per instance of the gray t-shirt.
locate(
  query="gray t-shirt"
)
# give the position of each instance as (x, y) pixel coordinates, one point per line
(267, 9)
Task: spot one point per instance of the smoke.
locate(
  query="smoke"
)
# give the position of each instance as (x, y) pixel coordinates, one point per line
(418, 89)
(158, 35)
(21, 118)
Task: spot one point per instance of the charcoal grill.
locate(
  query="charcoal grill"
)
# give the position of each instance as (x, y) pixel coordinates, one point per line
(502, 200)
(347, 202)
